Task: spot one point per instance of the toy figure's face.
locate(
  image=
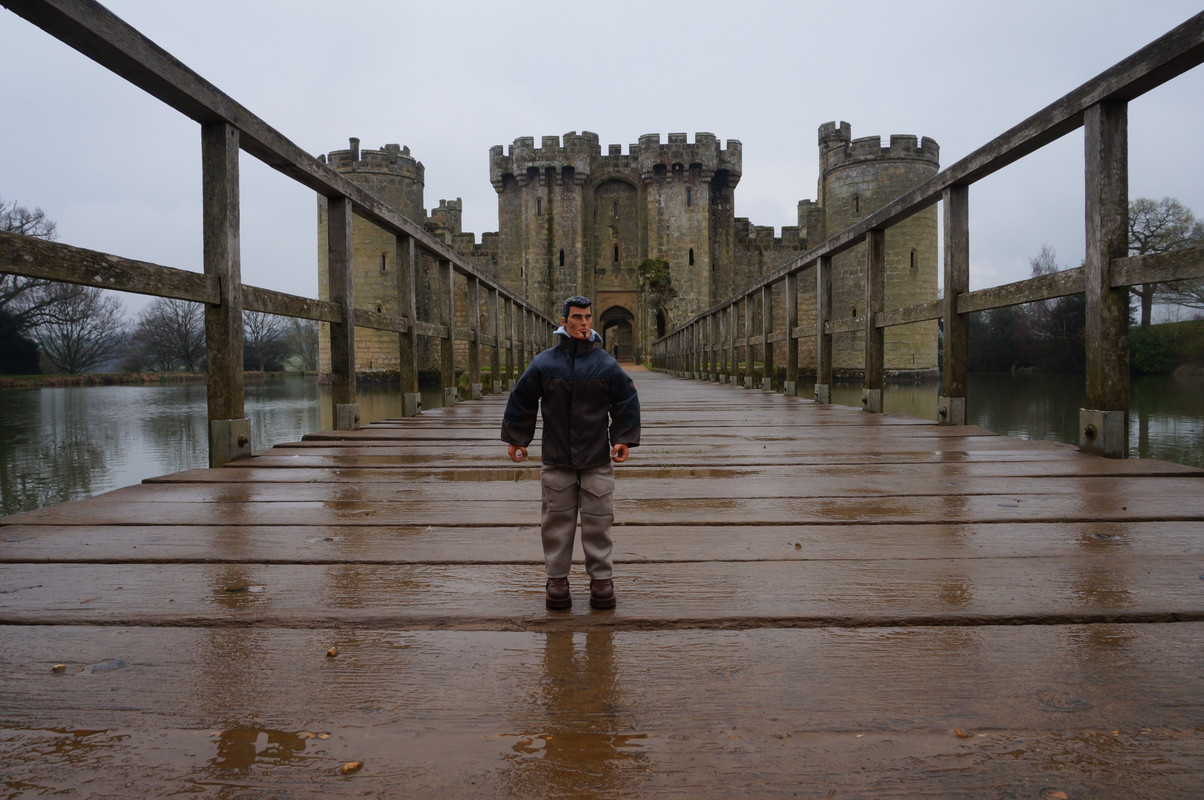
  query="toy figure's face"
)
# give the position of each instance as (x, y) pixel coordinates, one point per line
(579, 324)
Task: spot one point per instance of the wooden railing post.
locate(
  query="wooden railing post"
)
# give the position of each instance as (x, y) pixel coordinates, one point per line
(823, 339)
(875, 278)
(446, 307)
(511, 342)
(733, 314)
(472, 303)
(955, 376)
(766, 335)
(790, 285)
(749, 353)
(342, 334)
(229, 429)
(1103, 424)
(708, 337)
(495, 353)
(520, 338)
(407, 306)
(696, 349)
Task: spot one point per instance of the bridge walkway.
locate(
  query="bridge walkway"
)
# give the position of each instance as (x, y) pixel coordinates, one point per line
(813, 602)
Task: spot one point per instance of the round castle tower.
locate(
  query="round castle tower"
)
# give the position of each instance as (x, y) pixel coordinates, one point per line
(857, 177)
(394, 176)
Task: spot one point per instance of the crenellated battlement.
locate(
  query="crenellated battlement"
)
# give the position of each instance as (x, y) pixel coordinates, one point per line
(392, 158)
(837, 148)
(749, 236)
(578, 151)
(656, 160)
(583, 154)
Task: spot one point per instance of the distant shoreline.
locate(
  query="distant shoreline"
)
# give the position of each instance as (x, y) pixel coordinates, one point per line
(121, 379)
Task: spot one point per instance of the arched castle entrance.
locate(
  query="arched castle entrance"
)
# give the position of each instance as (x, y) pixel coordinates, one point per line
(616, 327)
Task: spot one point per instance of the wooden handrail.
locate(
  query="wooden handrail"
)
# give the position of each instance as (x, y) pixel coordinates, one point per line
(1099, 106)
(227, 127)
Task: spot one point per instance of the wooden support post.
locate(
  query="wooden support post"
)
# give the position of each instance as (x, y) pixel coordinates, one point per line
(708, 338)
(696, 349)
(407, 306)
(342, 334)
(472, 303)
(791, 288)
(520, 338)
(823, 339)
(749, 353)
(733, 314)
(511, 342)
(766, 332)
(495, 353)
(229, 429)
(447, 318)
(875, 283)
(955, 376)
(1103, 424)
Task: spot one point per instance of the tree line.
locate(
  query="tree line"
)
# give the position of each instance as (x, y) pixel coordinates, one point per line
(66, 328)
(48, 326)
(1047, 336)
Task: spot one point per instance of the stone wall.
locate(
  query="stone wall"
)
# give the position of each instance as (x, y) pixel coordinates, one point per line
(573, 220)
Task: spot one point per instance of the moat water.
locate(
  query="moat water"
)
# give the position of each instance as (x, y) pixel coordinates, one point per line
(63, 444)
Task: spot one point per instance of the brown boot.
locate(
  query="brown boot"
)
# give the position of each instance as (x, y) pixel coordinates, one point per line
(602, 593)
(558, 593)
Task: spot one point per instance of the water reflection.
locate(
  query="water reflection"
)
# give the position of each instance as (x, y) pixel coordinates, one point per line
(578, 742)
(66, 443)
(62, 444)
(238, 748)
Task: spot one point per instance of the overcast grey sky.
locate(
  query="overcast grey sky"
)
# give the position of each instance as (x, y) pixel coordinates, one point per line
(120, 173)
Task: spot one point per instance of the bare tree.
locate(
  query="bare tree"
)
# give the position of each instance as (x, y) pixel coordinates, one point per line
(303, 343)
(1159, 227)
(25, 301)
(264, 341)
(82, 329)
(169, 335)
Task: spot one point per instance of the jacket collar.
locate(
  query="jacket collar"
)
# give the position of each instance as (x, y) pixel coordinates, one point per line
(576, 346)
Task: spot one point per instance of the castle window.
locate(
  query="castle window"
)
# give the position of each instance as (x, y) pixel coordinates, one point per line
(913, 265)
(616, 211)
(660, 324)
(856, 204)
(689, 200)
(616, 254)
(691, 256)
(384, 262)
(539, 206)
(562, 258)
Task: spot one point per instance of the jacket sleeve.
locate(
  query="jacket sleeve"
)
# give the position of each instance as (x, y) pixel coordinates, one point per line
(624, 409)
(518, 421)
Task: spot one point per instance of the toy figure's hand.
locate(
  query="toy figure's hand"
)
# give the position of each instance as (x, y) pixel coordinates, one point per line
(619, 453)
(517, 453)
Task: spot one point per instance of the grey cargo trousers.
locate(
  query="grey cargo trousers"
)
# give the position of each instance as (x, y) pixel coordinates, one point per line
(568, 493)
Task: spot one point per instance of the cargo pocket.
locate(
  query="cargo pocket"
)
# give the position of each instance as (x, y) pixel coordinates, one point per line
(559, 489)
(597, 490)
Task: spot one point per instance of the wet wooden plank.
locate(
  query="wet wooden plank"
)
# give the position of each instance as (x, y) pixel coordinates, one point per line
(1102, 585)
(407, 544)
(967, 712)
(346, 507)
(749, 485)
(801, 474)
(812, 599)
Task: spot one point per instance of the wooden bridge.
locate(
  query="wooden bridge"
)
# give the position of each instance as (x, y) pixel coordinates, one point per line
(813, 602)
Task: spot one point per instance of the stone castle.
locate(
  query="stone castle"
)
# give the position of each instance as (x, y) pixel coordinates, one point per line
(572, 220)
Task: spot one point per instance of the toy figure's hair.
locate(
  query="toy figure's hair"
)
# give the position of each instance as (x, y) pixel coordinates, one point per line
(576, 300)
